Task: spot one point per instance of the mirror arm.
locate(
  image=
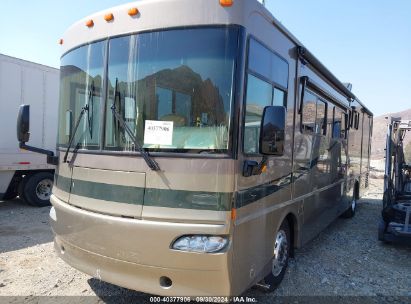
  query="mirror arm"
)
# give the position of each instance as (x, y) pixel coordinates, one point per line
(252, 167)
(51, 158)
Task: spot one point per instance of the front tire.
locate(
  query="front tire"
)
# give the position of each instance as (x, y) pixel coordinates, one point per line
(37, 190)
(281, 255)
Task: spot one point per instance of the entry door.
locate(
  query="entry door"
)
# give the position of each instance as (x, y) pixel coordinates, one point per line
(309, 178)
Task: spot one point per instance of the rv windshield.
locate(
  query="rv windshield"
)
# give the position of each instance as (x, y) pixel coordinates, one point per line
(174, 90)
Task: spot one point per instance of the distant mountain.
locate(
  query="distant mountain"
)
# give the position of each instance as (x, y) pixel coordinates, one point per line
(380, 132)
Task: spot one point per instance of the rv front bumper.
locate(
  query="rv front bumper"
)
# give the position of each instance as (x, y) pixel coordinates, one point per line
(148, 279)
(94, 244)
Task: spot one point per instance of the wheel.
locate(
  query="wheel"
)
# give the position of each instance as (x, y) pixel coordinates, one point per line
(38, 189)
(381, 230)
(350, 212)
(280, 258)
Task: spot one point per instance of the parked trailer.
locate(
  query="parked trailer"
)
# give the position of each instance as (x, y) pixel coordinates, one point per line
(24, 173)
(199, 144)
(395, 225)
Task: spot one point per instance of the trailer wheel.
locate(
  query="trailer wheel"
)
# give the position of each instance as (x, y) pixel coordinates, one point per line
(281, 255)
(37, 190)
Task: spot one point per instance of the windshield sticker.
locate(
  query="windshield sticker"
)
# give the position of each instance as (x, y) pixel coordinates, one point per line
(158, 132)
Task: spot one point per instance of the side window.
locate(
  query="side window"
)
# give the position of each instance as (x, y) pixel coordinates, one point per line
(279, 98)
(267, 64)
(343, 125)
(330, 119)
(314, 114)
(320, 123)
(164, 101)
(174, 105)
(267, 83)
(309, 112)
(339, 123)
(259, 95)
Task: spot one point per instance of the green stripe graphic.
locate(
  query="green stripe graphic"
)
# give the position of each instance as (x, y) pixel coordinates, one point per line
(216, 201)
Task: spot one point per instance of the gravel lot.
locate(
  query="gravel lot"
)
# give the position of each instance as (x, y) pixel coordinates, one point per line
(345, 260)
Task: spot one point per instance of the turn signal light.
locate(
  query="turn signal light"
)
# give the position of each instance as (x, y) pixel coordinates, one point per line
(90, 23)
(226, 3)
(109, 17)
(233, 214)
(133, 11)
(61, 41)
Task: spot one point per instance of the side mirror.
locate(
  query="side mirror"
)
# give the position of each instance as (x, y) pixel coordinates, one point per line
(272, 131)
(23, 124)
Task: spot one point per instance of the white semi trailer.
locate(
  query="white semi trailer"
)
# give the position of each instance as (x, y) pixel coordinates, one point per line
(24, 173)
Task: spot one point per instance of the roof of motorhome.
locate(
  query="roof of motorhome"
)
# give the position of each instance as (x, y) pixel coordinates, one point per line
(160, 14)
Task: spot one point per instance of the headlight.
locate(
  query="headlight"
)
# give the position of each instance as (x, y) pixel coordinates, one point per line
(200, 243)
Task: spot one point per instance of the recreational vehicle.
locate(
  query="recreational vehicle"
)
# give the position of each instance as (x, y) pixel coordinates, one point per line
(199, 144)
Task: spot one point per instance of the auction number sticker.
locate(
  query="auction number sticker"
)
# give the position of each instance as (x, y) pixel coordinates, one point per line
(158, 132)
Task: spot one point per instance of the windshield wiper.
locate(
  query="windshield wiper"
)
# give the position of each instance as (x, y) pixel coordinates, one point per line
(89, 119)
(150, 162)
(84, 109)
(153, 165)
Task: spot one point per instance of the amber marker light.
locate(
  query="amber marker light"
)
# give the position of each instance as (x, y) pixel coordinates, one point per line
(109, 17)
(226, 3)
(233, 214)
(61, 41)
(133, 11)
(90, 23)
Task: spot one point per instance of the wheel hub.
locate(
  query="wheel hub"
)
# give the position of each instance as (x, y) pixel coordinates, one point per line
(43, 189)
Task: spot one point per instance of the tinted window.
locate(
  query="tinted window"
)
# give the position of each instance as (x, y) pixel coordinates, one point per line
(81, 85)
(279, 98)
(320, 124)
(339, 123)
(180, 76)
(309, 112)
(267, 78)
(259, 95)
(268, 64)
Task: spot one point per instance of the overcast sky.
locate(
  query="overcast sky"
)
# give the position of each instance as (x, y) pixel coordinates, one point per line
(365, 42)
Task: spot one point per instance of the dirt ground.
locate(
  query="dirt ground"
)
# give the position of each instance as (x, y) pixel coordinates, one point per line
(344, 260)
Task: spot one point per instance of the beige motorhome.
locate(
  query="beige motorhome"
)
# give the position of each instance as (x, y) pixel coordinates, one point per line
(199, 144)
